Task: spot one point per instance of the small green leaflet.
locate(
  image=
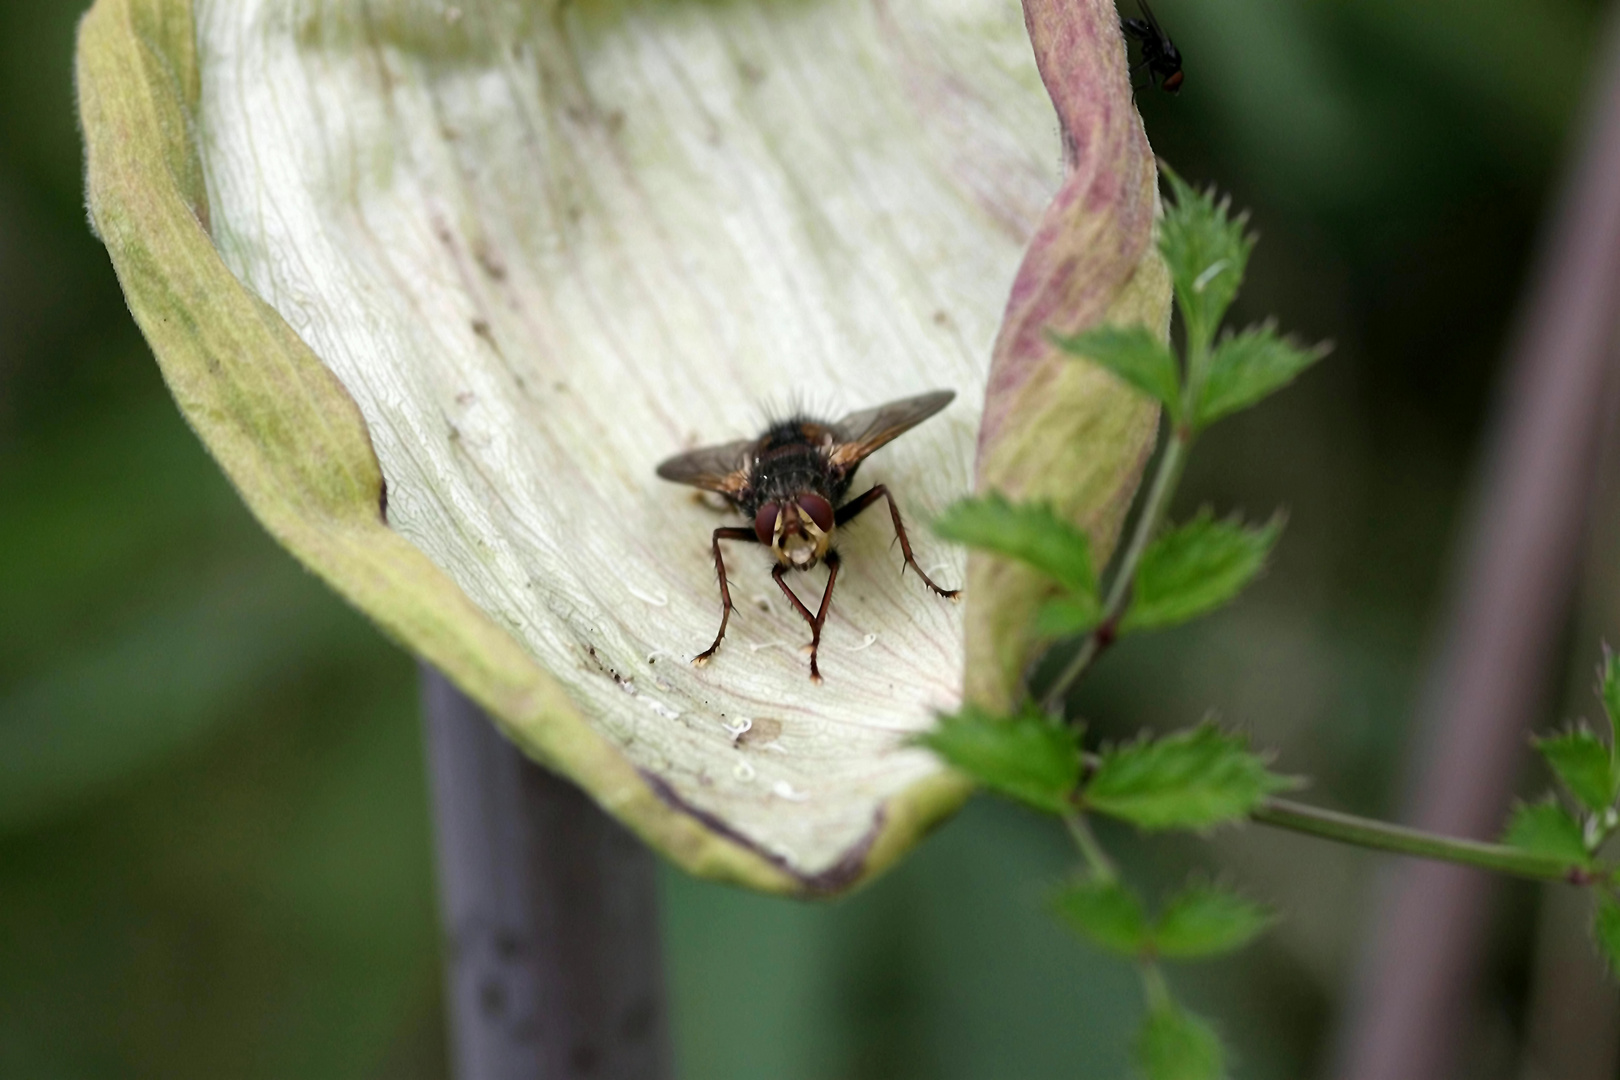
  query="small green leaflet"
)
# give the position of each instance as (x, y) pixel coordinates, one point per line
(1107, 913)
(1133, 354)
(1027, 756)
(1207, 252)
(1028, 532)
(1207, 920)
(1193, 779)
(1065, 616)
(1248, 367)
(1606, 930)
(1583, 764)
(1176, 1045)
(1201, 920)
(1609, 691)
(1547, 829)
(1196, 568)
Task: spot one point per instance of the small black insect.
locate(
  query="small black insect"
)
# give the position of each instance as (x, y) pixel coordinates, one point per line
(791, 483)
(1159, 54)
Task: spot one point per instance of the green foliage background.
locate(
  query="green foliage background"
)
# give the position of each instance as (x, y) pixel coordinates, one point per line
(214, 846)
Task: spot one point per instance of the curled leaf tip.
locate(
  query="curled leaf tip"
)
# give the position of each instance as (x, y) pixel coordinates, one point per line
(502, 264)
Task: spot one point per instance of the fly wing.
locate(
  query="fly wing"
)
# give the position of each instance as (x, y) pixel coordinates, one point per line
(1153, 24)
(722, 468)
(860, 433)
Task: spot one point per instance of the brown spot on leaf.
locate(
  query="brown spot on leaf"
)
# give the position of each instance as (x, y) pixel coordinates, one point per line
(764, 731)
(492, 263)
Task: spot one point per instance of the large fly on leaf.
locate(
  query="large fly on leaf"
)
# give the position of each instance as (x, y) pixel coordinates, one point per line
(791, 482)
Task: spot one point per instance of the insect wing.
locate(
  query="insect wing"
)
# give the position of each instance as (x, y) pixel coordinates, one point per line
(1153, 23)
(860, 433)
(722, 468)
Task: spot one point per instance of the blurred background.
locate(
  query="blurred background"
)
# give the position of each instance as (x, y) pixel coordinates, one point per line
(214, 845)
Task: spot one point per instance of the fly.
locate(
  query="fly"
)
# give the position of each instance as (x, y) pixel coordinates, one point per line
(1159, 54)
(791, 483)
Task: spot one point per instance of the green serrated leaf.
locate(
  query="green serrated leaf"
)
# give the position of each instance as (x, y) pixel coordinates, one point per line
(1609, 691)
(1606, 930)
(1106, 913)
(1207, 920)
(1207, 251)
(1583, 764)
(1028, 756)
(1133, 354)
(1028, 532)
(1195, 569)
(1247, 367)
(1065, 616)
(1176, 1045)
(1547, 829)
(1190, 780)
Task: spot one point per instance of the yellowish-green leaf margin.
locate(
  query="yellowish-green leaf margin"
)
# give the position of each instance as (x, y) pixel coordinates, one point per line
(1057, 430)
(294, 444)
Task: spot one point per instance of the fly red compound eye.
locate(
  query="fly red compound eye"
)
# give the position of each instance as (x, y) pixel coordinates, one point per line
(765, 522)
(820, 511)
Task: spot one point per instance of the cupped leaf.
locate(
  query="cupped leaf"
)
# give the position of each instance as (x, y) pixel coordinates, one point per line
(1057, 432)
(439, 286)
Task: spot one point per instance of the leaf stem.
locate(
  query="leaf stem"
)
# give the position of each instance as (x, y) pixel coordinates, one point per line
(1154, 988)
(1101, 866)
(1383, 836)
(1171, 464)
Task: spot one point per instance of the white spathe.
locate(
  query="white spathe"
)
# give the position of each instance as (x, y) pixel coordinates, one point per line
(546, 247)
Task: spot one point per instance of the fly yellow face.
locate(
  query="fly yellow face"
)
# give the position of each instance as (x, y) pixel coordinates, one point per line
(798, 531)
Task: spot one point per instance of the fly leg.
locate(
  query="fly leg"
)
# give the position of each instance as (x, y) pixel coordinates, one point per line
(851, 509)
(819, 619)
(727, 533)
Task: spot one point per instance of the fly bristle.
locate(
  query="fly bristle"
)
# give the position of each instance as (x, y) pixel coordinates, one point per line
(798, 407)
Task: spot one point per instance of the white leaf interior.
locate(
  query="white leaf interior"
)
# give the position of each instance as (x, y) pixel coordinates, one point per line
(545, 247)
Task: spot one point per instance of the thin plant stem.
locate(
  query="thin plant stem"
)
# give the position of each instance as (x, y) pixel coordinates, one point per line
(1171, 464)
(1102, 867)
(1154, 988)
(1383, 836)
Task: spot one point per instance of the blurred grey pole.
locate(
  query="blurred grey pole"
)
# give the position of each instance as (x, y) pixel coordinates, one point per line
(1572, 1031)
(1510, 604)
(549, 910)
